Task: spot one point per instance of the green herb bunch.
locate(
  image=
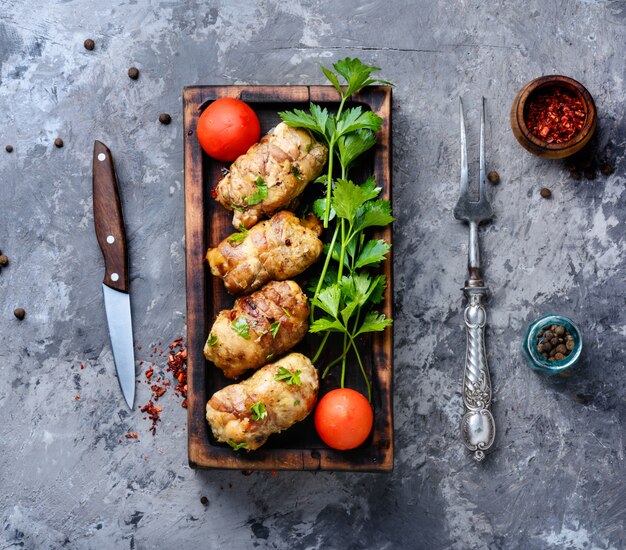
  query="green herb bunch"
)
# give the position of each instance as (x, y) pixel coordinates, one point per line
(346, 292)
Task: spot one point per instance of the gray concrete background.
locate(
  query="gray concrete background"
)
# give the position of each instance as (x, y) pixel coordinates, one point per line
(556, 478)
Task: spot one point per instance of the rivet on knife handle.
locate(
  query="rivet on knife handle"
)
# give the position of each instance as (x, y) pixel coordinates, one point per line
(108, 219)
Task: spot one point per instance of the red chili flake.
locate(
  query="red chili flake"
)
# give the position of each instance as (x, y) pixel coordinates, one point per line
(77, 397)
(130, 435)
(554, 115)
(157, 391)
(82, 366)
(149, 373)
(274, 474)
(153, 414)
(214, 193)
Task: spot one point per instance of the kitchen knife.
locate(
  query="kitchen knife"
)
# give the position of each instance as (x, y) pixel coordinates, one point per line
(109, 222)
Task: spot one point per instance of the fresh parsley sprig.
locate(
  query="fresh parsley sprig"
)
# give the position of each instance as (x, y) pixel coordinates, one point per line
(287, 376)
(347, 134)
(259, 412)
(346, 292)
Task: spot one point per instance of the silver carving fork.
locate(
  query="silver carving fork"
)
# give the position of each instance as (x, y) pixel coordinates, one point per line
(477, 426)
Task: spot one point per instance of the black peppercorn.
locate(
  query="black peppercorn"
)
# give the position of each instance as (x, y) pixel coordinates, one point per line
(4, 261)
(133, 73)
(204, 501)
(9, 148)
(607, 169)
(575, 174)
(19, 313)
(164, 118)
(58, 142)
(89, 44)
(545, 193)
(590, 174)
(493, 177)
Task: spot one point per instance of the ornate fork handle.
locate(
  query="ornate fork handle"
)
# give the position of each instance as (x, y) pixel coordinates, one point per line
(477, 425)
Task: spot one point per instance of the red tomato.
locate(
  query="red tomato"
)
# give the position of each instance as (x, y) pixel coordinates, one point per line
(343, 419)
(227, 128)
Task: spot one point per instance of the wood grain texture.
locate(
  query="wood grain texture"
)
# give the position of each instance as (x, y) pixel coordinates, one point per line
(207, 223)
(108, 219)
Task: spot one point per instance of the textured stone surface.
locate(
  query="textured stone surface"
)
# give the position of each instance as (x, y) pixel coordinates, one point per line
(556, 478)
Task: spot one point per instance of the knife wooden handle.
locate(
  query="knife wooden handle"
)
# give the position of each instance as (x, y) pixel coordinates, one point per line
(108, 219)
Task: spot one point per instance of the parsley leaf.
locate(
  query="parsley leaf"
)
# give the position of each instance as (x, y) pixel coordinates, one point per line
(353, 145)
(259, 412)
(357, 119)
(286, 311)
(373, 213)
(296, 171)
(237, 446)
(326, 324)
(241, 327)
(238, 237)
(261, 192)
(211, 340)
(287, 376)
(274, 329)
(374, 322)
(356, 74)
(329, 299)
(300, 119)
(372, 253)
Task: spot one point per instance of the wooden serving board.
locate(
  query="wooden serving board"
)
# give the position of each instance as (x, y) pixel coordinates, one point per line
(207, 223)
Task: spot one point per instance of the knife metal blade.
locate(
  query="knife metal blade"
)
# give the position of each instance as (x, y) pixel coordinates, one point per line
(111, 235)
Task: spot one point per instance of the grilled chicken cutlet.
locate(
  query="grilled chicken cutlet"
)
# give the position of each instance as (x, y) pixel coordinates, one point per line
(271, 174)
(274, 250)
(260, 326)
(244, 415)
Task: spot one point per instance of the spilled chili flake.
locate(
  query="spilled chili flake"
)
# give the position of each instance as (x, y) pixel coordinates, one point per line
(554, 115)
(177, 365)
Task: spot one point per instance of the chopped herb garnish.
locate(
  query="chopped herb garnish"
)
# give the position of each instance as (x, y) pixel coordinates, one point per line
(212, 340)
(286, 311)
(295, 171)
(238, 208)
(261, 192)
(241, 327)
(296, 402)
(269, 355)
(237, 446)
(259, 412)
(238, 237)
(287, 376)
(274, 329)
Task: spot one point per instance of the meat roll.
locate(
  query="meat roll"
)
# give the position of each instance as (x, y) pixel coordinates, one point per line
(260, 326)
(273, 399)
(274, 250)
(271, 174)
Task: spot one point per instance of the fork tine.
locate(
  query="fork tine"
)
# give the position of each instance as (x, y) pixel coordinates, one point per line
(464, 170)
(481, 195)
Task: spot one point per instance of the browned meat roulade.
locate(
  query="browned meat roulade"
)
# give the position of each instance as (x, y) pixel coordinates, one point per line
(274, 398)
(276, 249)
(260, 326)
(271, 174)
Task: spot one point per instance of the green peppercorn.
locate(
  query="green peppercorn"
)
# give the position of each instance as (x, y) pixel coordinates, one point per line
(559, 356)
(569, 345)
(545, 193)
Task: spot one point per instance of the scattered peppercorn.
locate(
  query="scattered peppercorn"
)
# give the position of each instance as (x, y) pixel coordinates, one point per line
(4, 261)
(164, 118)
(247, 472)
(204, 501)
(20, 313)
(493, 177)
(607, 169)
(89, 44)
(58, 142)
(575, 174)
(545, 193)
(9, 148)
(133, 73)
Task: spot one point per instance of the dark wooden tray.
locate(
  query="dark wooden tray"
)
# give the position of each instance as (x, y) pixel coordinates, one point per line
(207, 223)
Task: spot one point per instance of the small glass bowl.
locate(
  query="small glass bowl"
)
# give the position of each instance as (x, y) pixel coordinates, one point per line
(538, 361)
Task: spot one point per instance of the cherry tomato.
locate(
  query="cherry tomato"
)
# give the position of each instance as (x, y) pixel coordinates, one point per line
(227, 128)
(343, 419)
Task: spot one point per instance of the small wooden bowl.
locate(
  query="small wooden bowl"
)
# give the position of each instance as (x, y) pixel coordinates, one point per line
(538, 146)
